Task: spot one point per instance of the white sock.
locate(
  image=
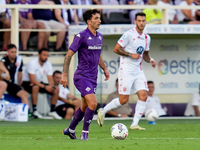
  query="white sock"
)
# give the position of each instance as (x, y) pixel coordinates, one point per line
(139, 110)
(112, 105)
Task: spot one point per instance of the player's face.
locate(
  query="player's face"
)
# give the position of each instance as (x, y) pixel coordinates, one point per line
(57, 78)
(44, 56)
(12, 53)
(140, 22)
(151, 89)
(95, 21)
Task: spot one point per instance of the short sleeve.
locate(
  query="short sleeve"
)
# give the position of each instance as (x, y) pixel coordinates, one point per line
(76, 43)
(50, 69)
(148, 42)
(3, 60)
(195, 99)
(124, 40)
(31, 67)
(21, 65)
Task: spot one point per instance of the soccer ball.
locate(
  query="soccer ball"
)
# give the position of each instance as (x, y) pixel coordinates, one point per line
(119, 131)
(151, 115)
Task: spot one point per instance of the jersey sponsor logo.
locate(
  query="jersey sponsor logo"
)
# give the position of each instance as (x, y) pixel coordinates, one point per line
(95, 47)
(89, 38)
(87, 89)
(44, 71)
(78, 35)
(124, 89)
(140, 50)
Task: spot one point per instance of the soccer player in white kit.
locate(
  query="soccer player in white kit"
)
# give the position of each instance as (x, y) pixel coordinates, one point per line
(133, 46)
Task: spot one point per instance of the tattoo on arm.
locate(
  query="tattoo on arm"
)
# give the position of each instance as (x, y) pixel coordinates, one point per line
(66, 64)
(120, 51)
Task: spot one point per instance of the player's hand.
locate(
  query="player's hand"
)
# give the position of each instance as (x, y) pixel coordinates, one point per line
(64, 81)
(135, 56)
(107, 74)
(153, 63)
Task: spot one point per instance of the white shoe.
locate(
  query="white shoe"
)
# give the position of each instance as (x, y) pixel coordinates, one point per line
(136, 127)
(100, 117)
(36, 114)
(54, 115)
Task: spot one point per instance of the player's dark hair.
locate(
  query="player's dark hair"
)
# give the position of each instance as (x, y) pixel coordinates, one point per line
(150, 82)
(57, 71)
(43, 49)
(10, 46)
(116, 81)
(140, 14)
(87, 15)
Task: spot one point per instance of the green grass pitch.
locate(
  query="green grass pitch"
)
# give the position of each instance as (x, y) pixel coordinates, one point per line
(37, 134)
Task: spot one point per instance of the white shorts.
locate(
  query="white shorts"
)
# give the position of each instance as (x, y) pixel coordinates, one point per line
(128, 81)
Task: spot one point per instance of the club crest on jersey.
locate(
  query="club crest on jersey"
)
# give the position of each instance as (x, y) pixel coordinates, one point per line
(87, 89)
(140, 50)
(100, 38)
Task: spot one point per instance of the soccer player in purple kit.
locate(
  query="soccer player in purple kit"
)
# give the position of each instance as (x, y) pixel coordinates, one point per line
(88, 43)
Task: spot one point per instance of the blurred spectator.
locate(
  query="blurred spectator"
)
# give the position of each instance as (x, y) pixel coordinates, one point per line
(153, 16)
(14, 64)
(34, 72)
(134, 11)
(27, 22)
(171, 12)
(122, 111)
(197, 2)
(65, 16)
(80, 10)
(112, 2)
(46, 16)
(193, 106)
(6, 24)
(153, 101)
(4, 75)
(187, 16)
(67, 104)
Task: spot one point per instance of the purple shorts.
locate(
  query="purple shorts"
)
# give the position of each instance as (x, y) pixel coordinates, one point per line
(85, 86)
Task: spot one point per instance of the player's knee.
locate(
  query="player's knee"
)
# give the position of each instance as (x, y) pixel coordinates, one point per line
(35, 88)
(70, 111)
(92, 105)
(40, 25)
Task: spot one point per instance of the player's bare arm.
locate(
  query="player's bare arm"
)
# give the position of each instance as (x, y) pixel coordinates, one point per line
(148, 59)
(67, 61)
(119, 50)
(196, 109)
(103, 66)
(3, 69)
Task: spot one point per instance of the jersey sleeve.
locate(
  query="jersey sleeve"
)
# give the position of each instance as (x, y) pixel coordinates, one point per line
(20, 68)
(147, 48)
(31, 68)
(50, 69)
(124, 40)
(3, 60)
(76, 43)
(195, 99)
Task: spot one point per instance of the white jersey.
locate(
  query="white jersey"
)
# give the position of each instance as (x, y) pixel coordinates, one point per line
(63, 92)
(133, 42)
(34, 67)
(194, 101)
(153, 102)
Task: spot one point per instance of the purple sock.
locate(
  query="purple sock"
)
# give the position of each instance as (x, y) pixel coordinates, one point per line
(88, 119)
(78, 116)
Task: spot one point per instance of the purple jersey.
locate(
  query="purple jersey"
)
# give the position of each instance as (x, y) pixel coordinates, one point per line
(89, 50)
(24, 11)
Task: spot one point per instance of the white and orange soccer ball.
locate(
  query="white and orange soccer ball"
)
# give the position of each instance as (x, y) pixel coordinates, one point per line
(119, 131)
(151, 115)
